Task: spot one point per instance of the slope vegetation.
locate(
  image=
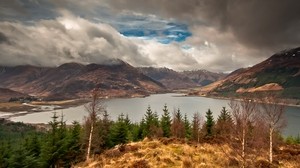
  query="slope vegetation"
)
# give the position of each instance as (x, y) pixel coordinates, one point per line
(177, 153)
(279, 74)
(73, 80)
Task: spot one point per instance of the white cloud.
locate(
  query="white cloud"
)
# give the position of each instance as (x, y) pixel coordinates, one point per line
(65, 39)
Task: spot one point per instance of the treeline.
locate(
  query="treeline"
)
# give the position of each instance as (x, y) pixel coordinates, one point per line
(23, 99)
(249, 128)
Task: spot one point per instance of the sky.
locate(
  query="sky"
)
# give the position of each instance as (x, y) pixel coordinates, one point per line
(216, 35)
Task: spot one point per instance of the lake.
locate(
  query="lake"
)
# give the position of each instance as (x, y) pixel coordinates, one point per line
(136, 108)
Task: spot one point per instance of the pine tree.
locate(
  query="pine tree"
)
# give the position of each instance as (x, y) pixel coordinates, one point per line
(177, 126)
(187, 127)
(209, 124)
(119, 134)
(74, 152)
(224, 123)
(151, 125)
(49, 155)
(166, 122)
(105, 126)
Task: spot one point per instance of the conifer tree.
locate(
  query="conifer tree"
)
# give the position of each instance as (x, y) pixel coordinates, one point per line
(74, 152)
(49, 155)
(187, 127)
(209, 124)
(119, 131)
(104, 128)
(151, 125)
(166, 122)
(224, 123)
(177, 126)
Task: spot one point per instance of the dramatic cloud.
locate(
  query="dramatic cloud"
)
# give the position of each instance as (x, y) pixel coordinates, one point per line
(65, 39)
(268, 24)
(191, 34)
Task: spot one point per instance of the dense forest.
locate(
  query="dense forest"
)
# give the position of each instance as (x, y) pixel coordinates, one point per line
(61, 145)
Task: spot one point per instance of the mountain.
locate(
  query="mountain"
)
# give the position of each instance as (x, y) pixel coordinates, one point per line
(278, 74)
(6, 94)
(169, 78)
(73, 80)
(203, 77)
(181, 80)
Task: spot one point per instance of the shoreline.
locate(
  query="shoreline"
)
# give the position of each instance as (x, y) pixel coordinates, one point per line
(45, 106)
(239, 99)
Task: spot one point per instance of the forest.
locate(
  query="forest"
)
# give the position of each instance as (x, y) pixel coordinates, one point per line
(59, 145)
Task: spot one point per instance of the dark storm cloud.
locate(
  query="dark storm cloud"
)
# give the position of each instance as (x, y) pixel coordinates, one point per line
(26, 10)
(3, 38)
(224, 34)
(261, 24)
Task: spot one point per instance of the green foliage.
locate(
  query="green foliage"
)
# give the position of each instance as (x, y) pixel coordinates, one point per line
(187, 127)
(209, 123)
(177, 126)
(119, 132)
(151, 127)
(224, 123)
(165, 122)
(293, 140)
(63, 146)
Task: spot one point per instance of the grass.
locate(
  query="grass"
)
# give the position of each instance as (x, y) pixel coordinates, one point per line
(14, 107)
(60, 103)
(179, 154)
(157, 154)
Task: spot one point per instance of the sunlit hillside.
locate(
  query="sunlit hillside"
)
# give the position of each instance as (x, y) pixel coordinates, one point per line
(166, 153)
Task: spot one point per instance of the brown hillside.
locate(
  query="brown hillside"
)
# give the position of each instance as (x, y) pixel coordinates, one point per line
(166, 153)
(73, 80)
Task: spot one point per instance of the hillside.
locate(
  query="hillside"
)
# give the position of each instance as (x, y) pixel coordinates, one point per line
(203, 77)
(169, 78)
(278, 74)
(177, 153)
(181, 80)
(6, 94)
(73, 80)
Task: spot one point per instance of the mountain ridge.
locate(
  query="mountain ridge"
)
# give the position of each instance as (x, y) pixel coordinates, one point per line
(281, 69)
(181, 80)
(75, 80)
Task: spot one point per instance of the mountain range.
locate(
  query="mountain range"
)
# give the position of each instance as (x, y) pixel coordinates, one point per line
(181, 80)
(279, 74)
(73, 80)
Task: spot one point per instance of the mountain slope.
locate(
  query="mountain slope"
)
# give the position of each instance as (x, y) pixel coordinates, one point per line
(73, 80)
(279, 74)
(6, 94)
(169, 78)
(181, 80)
(203, 77)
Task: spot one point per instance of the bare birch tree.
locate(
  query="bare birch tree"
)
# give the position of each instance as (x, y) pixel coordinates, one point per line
(273, 115)
(196, 127)
(244, 114)
(94, 108)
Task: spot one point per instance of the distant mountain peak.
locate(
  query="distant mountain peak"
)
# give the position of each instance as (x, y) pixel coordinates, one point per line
(282, 69)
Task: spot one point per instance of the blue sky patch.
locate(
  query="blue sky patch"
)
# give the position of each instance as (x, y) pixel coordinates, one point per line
(152, 28)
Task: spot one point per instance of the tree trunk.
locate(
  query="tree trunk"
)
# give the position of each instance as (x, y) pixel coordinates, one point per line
(90, 143)
(243, 147)
(271, 145)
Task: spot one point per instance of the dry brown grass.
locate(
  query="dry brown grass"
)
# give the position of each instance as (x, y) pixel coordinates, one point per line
(167, 153)
(60, 103)
(13, 107)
